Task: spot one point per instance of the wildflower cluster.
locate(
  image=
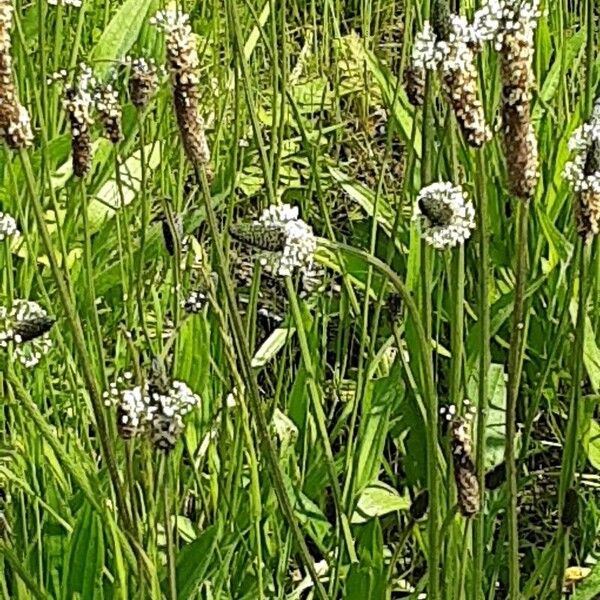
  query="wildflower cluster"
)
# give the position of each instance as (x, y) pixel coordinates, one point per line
(27, 326)
(515, 43)
(583, 174)
(183, 63)
(287, 242)
(449, 44)
(445, 215)
(155, 410)
(8, 227)
(15, 124)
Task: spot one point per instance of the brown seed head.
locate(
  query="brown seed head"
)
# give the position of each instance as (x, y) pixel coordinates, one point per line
(520, 143)
(77, 102)
(183, 63)
(587, 214)
(414, 85)
(15, 125)
(143, 81)
(106, 101)
(460, 84)
(465, 474)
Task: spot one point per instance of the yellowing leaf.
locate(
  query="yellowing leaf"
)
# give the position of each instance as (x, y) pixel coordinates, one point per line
(111, 196)
(378, 499)
(271, 346)
(592, 443)
(575, 574)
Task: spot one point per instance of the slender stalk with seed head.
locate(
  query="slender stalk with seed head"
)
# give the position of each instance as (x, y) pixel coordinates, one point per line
(431, 398)
(515, 364)
(516, 51)
(484, 360)
(74, 323)
(587, 205)
(183, 63)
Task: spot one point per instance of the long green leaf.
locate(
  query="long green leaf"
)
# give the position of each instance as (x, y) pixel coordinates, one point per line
(193, 561)
(120, 35)
(85, 558)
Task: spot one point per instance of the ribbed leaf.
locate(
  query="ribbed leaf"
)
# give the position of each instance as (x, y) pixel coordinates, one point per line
(193, 561)
(120, 35)
(86, 557)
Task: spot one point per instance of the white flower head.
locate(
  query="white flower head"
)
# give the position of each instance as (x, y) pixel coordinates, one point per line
(519, 17)
(428, 52)
(75, 3)
(157, 414)
(445, 215)
(78, 100)
(299, 241)
(181, 46)
(455, 53)
(168, 411)
(194, 302)
(27, 326)
(459, 55)
(170, 20)
(581, 171)
(487, 22)
(8, 227)
(491, 23)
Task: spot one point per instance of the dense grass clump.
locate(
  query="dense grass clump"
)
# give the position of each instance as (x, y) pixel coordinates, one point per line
(299, 299)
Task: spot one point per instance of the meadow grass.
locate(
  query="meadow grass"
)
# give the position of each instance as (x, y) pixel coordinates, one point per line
(422, 424)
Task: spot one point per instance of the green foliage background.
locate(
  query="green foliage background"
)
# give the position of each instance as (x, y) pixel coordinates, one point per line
(293, 93)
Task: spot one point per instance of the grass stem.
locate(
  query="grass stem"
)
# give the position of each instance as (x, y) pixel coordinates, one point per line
(515, 362)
